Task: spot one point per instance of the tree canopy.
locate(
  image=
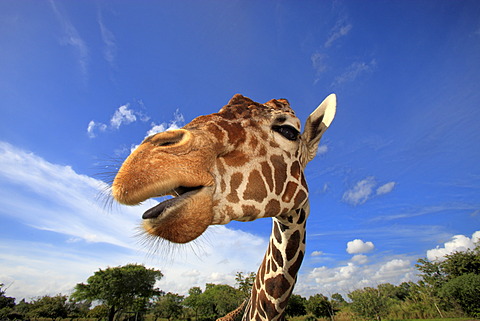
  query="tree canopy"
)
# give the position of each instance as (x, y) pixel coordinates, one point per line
(120, 287)
(454, 278)
(448, 288)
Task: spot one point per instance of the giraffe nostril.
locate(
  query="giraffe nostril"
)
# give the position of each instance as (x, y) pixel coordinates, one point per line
(168, 143)
(166, 139)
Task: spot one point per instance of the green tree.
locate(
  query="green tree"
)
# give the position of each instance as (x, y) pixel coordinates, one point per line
(218, 300)
(22, 308)
(6, 304)
(395, 292)
(120, 287)
(78, 309)
(193, 300)
(437, 274)
(461, 263)
(337, 297)
(49, 307)
(99, 312)
(369, 303)
(168, 306)
(321, 307)
(403, 290)
(245, 283)
(431, 272)
(465, 290)
(296, 306)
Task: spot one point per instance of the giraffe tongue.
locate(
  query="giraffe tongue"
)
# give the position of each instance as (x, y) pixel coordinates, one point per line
(158, 210)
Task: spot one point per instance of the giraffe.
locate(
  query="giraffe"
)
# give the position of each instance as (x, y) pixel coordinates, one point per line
(242, 163)
(232, 316)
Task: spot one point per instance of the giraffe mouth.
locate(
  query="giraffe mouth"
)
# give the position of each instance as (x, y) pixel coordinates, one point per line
(179, 194)
(183, 218)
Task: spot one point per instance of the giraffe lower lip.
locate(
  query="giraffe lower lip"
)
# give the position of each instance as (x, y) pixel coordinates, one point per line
(159, 209)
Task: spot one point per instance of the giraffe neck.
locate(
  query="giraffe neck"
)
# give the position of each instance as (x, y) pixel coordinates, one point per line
(277, 275)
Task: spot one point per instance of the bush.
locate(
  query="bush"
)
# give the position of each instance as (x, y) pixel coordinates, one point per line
(464, 290)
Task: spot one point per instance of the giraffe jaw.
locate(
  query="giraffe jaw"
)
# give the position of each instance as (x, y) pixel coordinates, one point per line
(183, 218)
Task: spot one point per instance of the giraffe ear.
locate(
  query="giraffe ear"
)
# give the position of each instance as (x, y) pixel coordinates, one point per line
(317, 123)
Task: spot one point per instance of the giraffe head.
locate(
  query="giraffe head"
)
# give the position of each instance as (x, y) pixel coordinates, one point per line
(242, 163)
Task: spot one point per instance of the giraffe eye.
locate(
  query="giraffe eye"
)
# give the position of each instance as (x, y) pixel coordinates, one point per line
(286, 131)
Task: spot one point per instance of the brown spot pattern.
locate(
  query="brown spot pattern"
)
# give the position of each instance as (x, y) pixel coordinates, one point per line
(304, 183)
(272, 208)
(276, 233)
(292, 245)
(277, 256)
(221, 168)
(296, 265)
(301, 216)
(289, 192)
(277, 286)
(235, 158)
(253, 142)
(267, 306)
(295, 170)
(236, 133)
(267, 175)
(250, 210)
(216, 132)
(235, 182)
(263, 309)
(300, 198)
(280, 172)
(255, 189)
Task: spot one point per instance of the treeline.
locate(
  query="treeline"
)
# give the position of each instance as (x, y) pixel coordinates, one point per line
(448, 288)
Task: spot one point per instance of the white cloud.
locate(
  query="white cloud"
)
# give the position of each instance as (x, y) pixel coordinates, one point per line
(175, 123)
(458, 243)
(72, 38)
(391, 269)
(122, 115)
(55, 200)
(49, 189)
(386, 188)
(341, 29)
(110, 47)
(353, 71)
(360, 259)
(318, 62)
(125, 115)
(316, 253)
(361, 192)
(355, 275)
(322, 149)
(92, 125)
(334, 275)
(359, 246)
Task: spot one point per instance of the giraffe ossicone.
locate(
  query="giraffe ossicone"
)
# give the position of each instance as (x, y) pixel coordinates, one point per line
(242, 163)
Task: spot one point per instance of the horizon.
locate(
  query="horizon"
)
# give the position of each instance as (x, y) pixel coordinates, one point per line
(396, 177)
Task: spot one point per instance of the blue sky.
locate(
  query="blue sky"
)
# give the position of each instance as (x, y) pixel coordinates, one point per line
(81, 83)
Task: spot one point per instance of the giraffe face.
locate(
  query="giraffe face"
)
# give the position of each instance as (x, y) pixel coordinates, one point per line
(242, 163)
